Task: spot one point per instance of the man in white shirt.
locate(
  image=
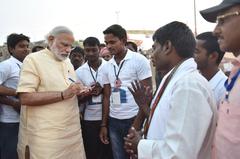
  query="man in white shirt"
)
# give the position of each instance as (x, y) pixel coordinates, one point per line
(18, 47)
(119, 107)
(208, 57)
(90, 74)
(182, 118)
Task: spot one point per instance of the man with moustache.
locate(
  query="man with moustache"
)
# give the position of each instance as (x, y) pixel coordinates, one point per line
(182, 116)
(227, 137)
(49, 120)
(77, 57)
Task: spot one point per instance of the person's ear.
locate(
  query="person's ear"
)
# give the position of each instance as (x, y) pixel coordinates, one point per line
(167, 47)
(11, 50)
(124, 40)
(213, 57)
(50, 39)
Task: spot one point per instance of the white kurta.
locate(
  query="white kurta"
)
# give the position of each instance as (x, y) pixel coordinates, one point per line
(184, 121)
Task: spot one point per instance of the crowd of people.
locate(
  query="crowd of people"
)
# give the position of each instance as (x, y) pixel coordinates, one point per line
(97, 101)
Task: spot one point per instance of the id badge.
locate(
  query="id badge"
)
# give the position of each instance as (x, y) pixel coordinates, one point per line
(97, 99)
(117, 83)
(116, 98)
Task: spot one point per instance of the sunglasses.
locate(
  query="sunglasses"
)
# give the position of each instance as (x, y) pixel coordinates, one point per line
(222, 18)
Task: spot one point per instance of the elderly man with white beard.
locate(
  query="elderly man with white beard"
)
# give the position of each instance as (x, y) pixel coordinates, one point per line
(49, 120)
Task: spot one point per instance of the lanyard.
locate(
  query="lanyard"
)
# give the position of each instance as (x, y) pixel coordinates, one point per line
(231, 84)
(18, 66)
(117, 74)
(94, 78)
(157, 99)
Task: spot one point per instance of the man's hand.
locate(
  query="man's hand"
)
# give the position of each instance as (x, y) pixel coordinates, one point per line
(96, 89)
(73, 89)
(85, 92)
(15, 103)
(131, 142)
(17, 106)
(141, 95)
(104, 135)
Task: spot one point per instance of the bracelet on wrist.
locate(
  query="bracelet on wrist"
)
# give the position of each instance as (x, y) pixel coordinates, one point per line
(103, 125)
(62, 96)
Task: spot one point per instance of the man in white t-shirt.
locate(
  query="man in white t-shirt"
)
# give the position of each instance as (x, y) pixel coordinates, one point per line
(208, 57)
(90, 74)
(119, 107)
(18, 47)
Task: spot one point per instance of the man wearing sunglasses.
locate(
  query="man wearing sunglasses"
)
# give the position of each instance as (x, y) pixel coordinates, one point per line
(227, 137)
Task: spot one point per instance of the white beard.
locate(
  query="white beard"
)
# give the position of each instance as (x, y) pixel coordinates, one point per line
(60, 56)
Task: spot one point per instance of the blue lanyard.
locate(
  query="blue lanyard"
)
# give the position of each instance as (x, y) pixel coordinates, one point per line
(94, 78)
(231, 84)
(115, 72)
(18, 66)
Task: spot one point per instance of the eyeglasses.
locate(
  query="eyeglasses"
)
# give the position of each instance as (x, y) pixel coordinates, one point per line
(72, 48)
(222, 18)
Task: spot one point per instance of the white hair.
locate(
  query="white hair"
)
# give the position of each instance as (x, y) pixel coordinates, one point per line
(58, 30)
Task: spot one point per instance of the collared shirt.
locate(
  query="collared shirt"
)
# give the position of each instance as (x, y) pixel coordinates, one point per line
(227, 138)
(9, 76)
(182, 118)
(52, 128)
(135, 67)
(217, 85)
(235, 92)
(93, 110)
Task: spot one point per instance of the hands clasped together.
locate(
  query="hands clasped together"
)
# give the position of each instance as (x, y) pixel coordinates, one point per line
(131, 142)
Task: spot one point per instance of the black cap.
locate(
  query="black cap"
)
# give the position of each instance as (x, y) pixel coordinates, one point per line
(211, 14)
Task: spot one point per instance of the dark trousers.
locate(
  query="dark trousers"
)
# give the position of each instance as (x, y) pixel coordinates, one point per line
(94, 148)
(118, 129)
(8, 140)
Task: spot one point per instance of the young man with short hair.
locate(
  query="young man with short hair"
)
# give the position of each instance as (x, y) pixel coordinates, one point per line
(182, 117)
(208, 57)
(18, 47)
(90, 74)
(119, 107)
